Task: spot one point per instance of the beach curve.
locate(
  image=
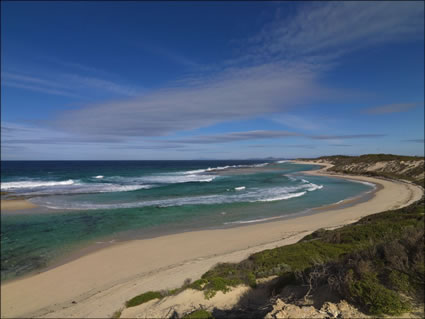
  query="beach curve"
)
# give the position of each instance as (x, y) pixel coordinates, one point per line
(99, 283)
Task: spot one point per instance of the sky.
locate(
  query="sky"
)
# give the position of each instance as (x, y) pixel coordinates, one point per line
(210, 80)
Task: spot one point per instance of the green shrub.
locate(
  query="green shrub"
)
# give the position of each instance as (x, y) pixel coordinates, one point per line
(399, 281)
(198, 284)
(219, 284)
(145, 297)
(252, 282)
(376, 298)
(199, 314)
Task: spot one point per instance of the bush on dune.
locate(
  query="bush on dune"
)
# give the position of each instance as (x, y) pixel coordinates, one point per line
(145, 297)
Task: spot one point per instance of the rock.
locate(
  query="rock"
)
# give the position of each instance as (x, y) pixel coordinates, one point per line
(331, 309)
(342, 309)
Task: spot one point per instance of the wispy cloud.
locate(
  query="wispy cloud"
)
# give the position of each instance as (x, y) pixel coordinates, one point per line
(93, 82)
(307, 146)
(231, 95)
(391, 108)
(272, 75)
(14, 134)
(168, 54)
(35, 84)
(40, 89)
(6, 76)
(297, 122)
(324, 31)
(343, 137)
(341, 145)
(74, 67)
(71, 85)
(162, 146)
(264, 134)
(236, 136)
(417, 140)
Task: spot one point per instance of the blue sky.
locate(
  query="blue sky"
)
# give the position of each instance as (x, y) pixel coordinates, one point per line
(188, 80)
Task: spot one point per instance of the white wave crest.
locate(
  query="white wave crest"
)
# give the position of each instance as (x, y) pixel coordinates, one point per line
(365, 183)
(221, 168)
(282, 197)
(260, 165)
(99, 176)
(312, 187)
(241, 188)
(175, 179)
(252, 220)
(35, 184)
(252, 196)
(170, 178)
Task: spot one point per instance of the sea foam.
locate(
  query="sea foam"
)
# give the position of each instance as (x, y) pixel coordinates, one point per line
(34, 184)
(252, 196)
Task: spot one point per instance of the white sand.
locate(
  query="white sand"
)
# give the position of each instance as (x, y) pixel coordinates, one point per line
(185, 302)
(102, 281)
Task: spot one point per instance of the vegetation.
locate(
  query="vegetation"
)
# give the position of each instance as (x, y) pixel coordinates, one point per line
(369, 158)
(397, 166)
(199, 314)
(145, 297)
(116, 314)
(377, 298)
(369, 263)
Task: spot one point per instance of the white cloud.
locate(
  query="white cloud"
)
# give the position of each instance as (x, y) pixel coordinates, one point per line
(278, 71)
(233, 94)
(71, 85)
(333, 28)
(297, 122)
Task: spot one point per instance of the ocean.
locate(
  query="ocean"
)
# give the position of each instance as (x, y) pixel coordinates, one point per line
(93, 203)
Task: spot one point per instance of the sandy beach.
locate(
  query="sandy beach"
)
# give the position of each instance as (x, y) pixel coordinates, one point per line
(98, 284)
(16, 204)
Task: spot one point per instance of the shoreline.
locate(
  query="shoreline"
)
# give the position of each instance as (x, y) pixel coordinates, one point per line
(86, 248)
(103, 280)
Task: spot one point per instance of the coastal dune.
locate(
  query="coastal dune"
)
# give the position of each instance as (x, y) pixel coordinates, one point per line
(97, 284)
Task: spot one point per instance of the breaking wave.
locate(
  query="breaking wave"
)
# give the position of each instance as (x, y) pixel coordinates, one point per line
(252, 196)
(34, 184)
(221, 168)
(282, 197)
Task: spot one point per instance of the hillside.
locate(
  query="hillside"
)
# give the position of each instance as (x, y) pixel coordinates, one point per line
(409, 168)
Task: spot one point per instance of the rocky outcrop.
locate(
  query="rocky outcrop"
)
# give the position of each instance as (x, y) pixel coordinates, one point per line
(329, 310)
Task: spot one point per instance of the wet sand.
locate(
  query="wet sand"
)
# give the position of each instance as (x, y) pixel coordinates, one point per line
(16, 204)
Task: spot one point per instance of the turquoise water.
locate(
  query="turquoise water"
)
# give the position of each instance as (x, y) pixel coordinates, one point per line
(87, 202)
